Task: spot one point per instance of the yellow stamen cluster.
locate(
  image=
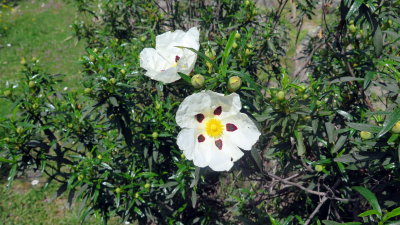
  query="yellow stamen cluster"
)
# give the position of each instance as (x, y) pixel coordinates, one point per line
(214, 128)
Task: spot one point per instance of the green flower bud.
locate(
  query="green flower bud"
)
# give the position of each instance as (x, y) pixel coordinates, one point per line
(249, 45)
(137, 195)
(99, 157)
(92, 58)
(154, 135)
(237, 35)
(88, 90)
(23, 61)
(352, 28)
(35, 106)
(122, 71)
(7, 139)
(234, 45)
(281, 95)
(32, 84)
(95, 50)
(197, 81)
(210, 54)
(396, 128)
(113, 81)
(319, 168)
(147, 186)
(234, 83)
(365, 135)
(80, 177)
(70, 125)
(20, 130)
(248, 52)
(118, 190)
(142, 38)
(7, 93)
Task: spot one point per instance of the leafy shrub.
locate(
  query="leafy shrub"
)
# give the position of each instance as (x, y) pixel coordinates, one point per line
(114, 146)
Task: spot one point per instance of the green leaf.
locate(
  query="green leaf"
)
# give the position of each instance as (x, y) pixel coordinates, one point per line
(359, 157)
(340, 142)
(345, 79)
(390, 122)
(369, 213)
(364, 127)
(225, 54)
(301, 149)
(356, 5)
(378, 41)
(330, 130)
(6, 160)
(370, 197)
(257, 158)
(185, 77)
(391, 214)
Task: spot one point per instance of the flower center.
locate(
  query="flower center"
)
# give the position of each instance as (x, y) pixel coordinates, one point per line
(214, 128)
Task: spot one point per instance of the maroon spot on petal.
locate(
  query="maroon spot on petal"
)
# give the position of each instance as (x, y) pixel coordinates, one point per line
(231, 127)
(162, 70)
(177, 58)
(199, 117)
(218, 143)
(201, 138)
(218, 111)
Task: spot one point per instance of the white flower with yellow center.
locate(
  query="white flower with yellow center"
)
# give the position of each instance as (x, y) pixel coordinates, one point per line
(165, 61)
(214, 130)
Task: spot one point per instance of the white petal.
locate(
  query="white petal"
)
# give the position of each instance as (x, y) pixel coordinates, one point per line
(247, 133)
(187, 142)
(170, 39)
(221, 160)
(150, 60)
(230, 104)
(187, 61)
(203, 152)
(233, 151)
(190, 107)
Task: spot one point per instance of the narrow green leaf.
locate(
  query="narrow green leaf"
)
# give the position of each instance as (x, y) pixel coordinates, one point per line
(369, 213)
(225, 54)
(339, 144)
(393, 213)
(257, 158)
(185, 77)
(330, 130)
(6, 160)
(364, 127)
(360, 157)
(378, 41)
(301, 149)
(389, 122)
(356, 5)
(370, 197)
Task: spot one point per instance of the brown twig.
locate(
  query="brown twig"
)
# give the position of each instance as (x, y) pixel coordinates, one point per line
(324, 199)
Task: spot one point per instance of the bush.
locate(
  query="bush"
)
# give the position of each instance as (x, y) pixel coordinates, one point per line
(114, 146)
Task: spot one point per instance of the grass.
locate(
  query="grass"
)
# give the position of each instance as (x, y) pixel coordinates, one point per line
(40, 29)
(27, 204)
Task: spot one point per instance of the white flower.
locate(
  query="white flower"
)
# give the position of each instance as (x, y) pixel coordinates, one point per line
(165, 61)
(35, 182)
(214, 129)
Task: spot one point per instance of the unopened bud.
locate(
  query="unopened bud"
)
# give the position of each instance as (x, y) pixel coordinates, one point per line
(31, 84)
(23, 61)
(123, 71)
(210, 54)
(113, 80)
(234, 45)
(197, 81)
(234, 83)
(248, 51)
(154, 135)
(319, 168)
(118, 190)
(365, 135)
(7, 93)
(88, 90)
(237, 35)
(396, 128)
(280, 95)
(20, 130)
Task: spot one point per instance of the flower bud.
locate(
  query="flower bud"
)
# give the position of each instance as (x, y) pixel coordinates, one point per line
(7, 139)
(234, 83)
(113, 81)
(147, 185)
(248, 52)
(118, 190)
(20, 130)
(80, 177)
(23, 61)
(210, 54)
(122, 71)
(88, 90)
(92, 58)
(99, 157)
(31, 84)
(142, 38)
(154, 135)
(95, 50)
(197, 81)
(396, 128)
(319, 168)
(352, 28)
(237, 35)
(7, 93)
(281, 95)
(365, 135)
(234, 45)
(35, 106)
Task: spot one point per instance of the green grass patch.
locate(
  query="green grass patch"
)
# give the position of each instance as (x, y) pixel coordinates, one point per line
(40, 29)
